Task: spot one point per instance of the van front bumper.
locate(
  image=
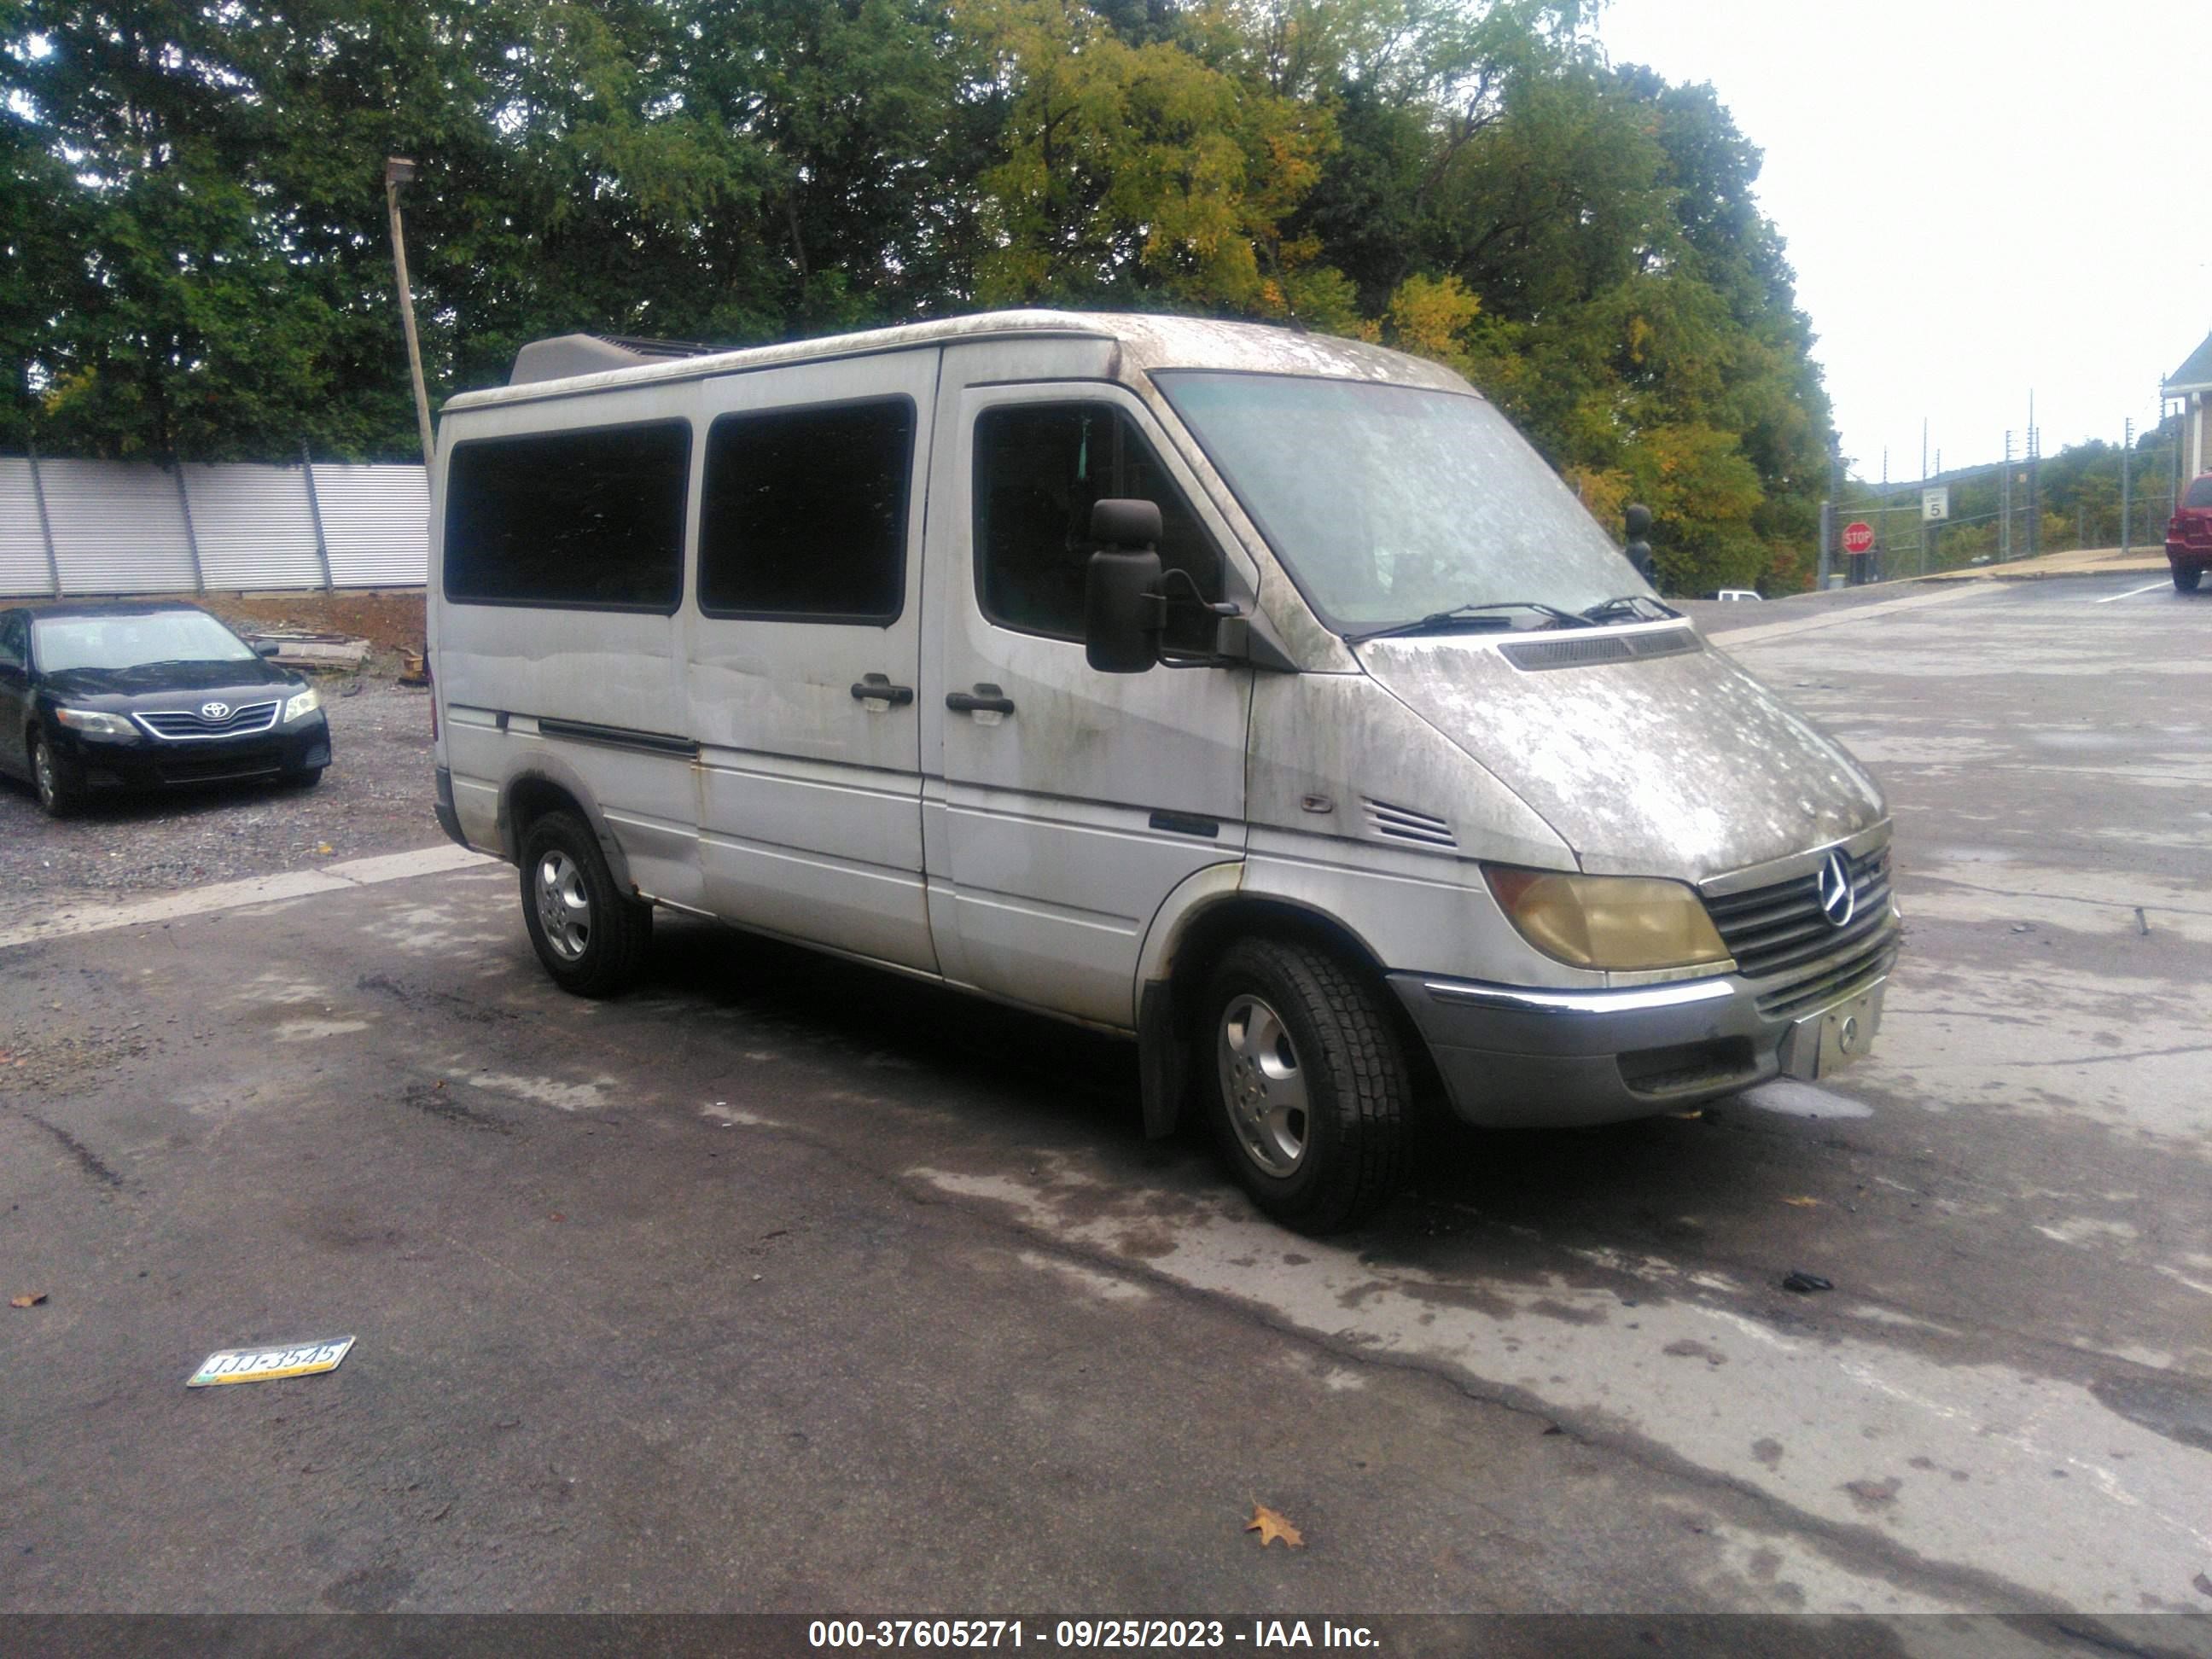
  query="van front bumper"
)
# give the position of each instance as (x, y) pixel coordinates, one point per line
(1515, 1056)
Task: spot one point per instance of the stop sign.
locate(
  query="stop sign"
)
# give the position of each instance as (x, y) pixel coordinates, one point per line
(1858, 536)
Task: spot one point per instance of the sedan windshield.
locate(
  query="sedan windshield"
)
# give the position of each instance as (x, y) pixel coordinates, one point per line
(1388, 504)
(130, 641)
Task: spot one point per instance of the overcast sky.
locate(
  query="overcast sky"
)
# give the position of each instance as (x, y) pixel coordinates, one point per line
(1980, 199)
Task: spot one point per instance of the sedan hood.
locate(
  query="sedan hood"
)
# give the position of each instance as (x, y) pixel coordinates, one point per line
(1677, 764)
(236, 682)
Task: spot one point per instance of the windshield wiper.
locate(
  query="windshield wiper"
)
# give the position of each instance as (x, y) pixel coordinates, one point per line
(1631, 604)
(1439, 621)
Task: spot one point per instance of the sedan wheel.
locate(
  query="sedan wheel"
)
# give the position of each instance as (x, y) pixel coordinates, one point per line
(56, 786)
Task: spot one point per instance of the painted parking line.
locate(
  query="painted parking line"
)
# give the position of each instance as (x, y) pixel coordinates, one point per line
(259, 890)
(1728, 638)
(2146, 589)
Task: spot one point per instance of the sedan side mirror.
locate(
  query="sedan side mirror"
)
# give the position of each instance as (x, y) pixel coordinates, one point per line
(266, 647)
(1122, 611)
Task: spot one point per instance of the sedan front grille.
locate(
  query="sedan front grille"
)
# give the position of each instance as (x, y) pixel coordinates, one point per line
(1779, 933)
(181, 725)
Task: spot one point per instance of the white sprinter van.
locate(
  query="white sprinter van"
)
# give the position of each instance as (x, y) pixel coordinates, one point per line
(1261, 696)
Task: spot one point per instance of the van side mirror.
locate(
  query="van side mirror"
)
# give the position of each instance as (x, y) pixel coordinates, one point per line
(1122, 611)
(1638, 517)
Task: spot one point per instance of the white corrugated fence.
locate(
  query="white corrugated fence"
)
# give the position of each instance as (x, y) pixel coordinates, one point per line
(88, 528)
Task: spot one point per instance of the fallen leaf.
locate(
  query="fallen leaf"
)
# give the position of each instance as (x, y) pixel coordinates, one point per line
(2202, 1583)
(1803, 1203)
(28, 1299)
(324, 848)
(1270, 1526)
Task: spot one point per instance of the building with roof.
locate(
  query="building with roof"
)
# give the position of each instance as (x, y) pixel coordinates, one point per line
(2191, 384)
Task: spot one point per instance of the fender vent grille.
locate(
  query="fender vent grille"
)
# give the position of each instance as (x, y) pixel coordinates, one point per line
(1576, 652)
(1403, 824)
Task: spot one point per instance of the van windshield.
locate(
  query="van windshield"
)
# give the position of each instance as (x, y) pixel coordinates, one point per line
(1389, 503)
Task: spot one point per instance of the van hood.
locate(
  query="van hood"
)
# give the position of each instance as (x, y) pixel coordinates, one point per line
(1679, 764)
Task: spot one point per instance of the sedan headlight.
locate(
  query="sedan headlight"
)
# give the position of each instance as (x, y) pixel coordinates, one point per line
(94, 724)
(1609, 921)
(305, 703)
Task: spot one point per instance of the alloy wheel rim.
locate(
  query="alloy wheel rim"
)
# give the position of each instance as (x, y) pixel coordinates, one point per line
(1263, 1086)
(45, 768)
(564, 908)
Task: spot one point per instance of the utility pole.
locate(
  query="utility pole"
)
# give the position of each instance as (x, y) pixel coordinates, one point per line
(1924, 495)
(2004, 505)
(2127, 455)
(398, 174)
(2034, 484)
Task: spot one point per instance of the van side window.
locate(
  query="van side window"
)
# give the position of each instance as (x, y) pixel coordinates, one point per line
(1038, 468)
(804, 513)
(589, 520)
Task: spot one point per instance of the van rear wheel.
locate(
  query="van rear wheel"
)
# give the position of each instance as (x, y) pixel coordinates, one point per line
(591, 936)
(1310, 1084)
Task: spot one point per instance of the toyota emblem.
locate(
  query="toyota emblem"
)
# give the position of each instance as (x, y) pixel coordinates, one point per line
(220, 711)
(1838, 901)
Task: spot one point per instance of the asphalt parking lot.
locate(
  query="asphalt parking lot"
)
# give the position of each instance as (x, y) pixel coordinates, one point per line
(781, 1285)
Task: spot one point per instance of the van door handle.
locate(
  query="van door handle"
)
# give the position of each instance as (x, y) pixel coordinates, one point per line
(879, 686)
(986, 699)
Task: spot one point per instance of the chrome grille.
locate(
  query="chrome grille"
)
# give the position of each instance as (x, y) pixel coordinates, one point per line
(1831, 979)
(1780, 933)
(180, 724)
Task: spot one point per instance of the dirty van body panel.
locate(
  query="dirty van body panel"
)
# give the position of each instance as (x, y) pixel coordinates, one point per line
(809, 794)
(1679, 765)
(930, 776)
(588, 698)
(1069, 803)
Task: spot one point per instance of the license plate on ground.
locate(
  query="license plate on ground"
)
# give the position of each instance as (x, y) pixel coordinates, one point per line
(267, 1364)
(1822, 1044)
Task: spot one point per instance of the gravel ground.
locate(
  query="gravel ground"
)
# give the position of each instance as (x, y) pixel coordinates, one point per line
(376, 798)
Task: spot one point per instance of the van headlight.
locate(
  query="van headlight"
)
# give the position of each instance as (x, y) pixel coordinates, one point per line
(94, 724)
(305, 703)
(1609, 921)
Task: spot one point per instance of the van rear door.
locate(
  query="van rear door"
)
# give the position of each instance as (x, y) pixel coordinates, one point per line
(803, 652)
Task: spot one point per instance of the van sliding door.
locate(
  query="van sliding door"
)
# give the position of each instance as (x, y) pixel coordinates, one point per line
(804, 656)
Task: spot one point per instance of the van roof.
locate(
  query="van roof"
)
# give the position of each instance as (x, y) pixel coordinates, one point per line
(1146, 342)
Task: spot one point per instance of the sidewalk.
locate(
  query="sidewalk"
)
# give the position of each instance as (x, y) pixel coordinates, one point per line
(2081, 562)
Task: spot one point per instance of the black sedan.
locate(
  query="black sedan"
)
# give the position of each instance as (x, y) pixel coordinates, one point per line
(145, 694)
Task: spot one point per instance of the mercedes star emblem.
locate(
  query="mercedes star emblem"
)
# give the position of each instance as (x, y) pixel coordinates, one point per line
(1837, 900)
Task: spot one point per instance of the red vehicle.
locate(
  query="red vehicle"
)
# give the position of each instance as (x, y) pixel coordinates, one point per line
(2189, 535)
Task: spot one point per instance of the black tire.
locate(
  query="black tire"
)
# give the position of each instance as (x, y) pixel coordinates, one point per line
(591, 937)
(304, 777)
(59, 784)
(2186, 576)
(1333, 1032)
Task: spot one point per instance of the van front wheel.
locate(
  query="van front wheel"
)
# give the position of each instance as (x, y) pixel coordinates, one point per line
(591, 936)
(1310, 1084)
